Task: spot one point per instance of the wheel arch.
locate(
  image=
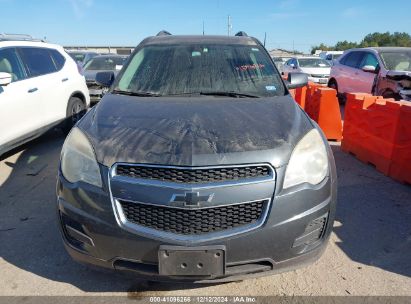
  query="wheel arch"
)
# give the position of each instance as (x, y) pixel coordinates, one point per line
(332, 79)
(79, 95)
(390, 93)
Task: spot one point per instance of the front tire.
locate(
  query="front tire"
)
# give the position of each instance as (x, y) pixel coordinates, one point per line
(390, 94)
(75, 110)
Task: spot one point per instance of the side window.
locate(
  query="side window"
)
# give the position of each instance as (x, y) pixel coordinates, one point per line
(369, 59)
(329, 57)
(10, 63)
(59, 59)
(37, 60)
(344, 58)
(353, 59)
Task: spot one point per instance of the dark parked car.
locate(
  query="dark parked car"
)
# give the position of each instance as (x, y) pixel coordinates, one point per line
(82, 57)
(197, 165)
(97, 64)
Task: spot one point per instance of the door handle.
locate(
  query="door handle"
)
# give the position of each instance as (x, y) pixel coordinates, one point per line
(32, 90)
(64, 79)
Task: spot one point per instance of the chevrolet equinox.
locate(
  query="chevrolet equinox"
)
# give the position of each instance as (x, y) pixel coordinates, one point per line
(197, 165)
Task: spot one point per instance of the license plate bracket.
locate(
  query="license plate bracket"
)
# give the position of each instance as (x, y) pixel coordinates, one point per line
(191, 261)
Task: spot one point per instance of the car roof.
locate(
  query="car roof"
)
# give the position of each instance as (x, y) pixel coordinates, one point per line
(332, 52)
(81, 52)
(308, 57)
(382, 49)
(189, 39)
(23, 43)
(110, 56)
(391, 49)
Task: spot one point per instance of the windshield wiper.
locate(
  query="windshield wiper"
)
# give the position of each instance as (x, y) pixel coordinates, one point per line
(229, 94)
(216, 93)
(138, 93)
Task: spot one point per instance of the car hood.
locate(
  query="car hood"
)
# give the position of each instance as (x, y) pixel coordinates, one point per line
(320, 71)
(399, 75)
(196, 131)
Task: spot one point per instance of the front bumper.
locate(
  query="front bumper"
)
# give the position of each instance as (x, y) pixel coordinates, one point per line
(319, 80)
(405, 94)
(265, 250)
(95, 92)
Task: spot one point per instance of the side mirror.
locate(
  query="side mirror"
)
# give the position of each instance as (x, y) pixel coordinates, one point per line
(5, 78)
(369, 69)
(105, 79)
(296, 80)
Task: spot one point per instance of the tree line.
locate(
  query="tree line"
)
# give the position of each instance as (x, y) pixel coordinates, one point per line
(371, 40)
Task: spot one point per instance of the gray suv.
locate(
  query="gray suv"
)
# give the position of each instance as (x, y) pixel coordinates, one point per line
(197, 165)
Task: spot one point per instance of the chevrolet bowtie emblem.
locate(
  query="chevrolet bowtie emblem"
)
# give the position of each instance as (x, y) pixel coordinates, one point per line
(190, 199)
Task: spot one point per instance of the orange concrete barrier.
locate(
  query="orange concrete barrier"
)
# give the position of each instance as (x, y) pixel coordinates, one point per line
(328, 113)
(376, 132)
(400, 168)
(300, 95)
(311, 87)
(369, 129)
(321, 104)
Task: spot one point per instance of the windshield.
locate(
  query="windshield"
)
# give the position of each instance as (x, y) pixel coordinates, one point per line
(397, 61)
(104, 63)
(78, 57)
(196, 69)
(313, 63)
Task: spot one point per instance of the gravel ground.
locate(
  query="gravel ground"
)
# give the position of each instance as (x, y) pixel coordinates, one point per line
(369, 251)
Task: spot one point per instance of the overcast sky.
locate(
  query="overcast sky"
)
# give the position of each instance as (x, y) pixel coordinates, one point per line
(301, 23)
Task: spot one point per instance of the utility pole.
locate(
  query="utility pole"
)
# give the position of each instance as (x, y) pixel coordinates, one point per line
(265, 37)
(203, 28)
(229, 26)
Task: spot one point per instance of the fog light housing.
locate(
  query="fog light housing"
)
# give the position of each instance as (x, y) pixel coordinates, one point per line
(74, 232)
(313, 232)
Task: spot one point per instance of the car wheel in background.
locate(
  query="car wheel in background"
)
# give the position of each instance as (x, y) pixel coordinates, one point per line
(75, 110)
(390, 94)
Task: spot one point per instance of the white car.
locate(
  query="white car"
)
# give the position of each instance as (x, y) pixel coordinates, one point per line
(317, 69)
(331, 56)
(40, 87)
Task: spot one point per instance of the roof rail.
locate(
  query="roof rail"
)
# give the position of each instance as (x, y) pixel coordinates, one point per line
(18, 37)
(241, 34)
(163, 33)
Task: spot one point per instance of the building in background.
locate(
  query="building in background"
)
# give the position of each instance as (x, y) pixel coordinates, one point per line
(120, 50)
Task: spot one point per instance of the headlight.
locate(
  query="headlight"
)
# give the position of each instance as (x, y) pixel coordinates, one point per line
(78, 162)
(308, 162)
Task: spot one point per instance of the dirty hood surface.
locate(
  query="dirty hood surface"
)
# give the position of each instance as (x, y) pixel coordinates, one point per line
(194, 131)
